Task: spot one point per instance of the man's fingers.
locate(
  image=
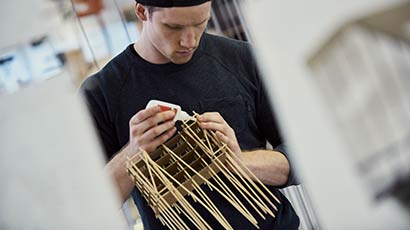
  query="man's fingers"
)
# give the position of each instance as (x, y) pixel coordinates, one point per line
(151, 127)
(153, 121)
(157, 130)
(222, 138)
(157, 119)
(211, 117)
(144, 114)
(153, 144)
(164, 137)
(223, 128)
(232, 143)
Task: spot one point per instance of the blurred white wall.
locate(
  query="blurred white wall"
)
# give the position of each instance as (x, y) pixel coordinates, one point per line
(23, 20)
(286, 33)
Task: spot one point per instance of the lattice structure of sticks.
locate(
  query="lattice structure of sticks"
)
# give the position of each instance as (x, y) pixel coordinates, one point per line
(180, 166)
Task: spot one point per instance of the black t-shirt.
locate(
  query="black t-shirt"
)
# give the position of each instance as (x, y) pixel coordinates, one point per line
(221, 77)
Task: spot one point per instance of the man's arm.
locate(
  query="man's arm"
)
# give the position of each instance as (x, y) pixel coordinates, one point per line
(271, 167)
(116, 168)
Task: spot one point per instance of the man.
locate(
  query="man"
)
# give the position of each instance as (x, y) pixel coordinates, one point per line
(175, 61)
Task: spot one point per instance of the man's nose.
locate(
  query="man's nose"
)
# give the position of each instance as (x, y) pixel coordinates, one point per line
(188, 39)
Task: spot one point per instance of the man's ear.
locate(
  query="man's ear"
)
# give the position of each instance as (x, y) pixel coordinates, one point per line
(141, 12)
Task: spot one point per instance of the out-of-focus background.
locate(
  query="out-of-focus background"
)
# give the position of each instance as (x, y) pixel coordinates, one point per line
(338, 75)
(40, 38)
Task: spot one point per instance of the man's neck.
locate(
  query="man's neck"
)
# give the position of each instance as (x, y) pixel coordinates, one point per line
(147, 51)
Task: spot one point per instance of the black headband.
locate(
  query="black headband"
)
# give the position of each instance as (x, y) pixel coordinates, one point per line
(171, 3)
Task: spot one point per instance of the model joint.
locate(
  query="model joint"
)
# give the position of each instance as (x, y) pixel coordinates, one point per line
(192, 158)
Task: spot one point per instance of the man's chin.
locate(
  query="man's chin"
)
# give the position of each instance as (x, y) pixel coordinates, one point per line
(181, 60)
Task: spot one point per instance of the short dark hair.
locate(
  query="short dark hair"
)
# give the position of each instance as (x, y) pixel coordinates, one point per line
(151, 10)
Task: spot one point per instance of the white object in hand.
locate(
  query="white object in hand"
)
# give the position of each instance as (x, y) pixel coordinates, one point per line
(180, 114)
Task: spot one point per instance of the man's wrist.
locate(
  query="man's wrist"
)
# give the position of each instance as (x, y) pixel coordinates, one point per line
(241, 155)
(129, 152)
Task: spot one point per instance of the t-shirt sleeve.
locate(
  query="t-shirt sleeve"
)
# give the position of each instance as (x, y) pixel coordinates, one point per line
(99, 110)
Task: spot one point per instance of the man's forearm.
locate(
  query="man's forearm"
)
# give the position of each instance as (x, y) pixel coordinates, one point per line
(116, 168)
(270, 166)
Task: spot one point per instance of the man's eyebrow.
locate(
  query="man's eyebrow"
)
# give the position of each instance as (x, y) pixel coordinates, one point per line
(206, 19)
(179, 25)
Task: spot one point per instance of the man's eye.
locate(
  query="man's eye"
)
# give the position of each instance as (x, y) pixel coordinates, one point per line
(201, 24)
(174, 27)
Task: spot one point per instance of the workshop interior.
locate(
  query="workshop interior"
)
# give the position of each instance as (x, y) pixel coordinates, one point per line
(337, 74)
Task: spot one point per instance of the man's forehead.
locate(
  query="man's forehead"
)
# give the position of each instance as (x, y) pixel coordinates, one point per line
(171, 3)
(179, 17)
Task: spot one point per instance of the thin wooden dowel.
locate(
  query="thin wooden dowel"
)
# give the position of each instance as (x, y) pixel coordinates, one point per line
(233, 162)
(224, 171)
(221, 218)
(216, 177)
(152, 179)
(207, 154)
(240, 189)
(250, 173)
(193, 195)
(175, 192)
(186, 214)
(196, 138)
(221, 166)
(203, 224)
(217, 160)
(250, 218)
(177, 219)
(239, 162)
(164, 206)
(211, 205)
(193, 149)
(179, 222)
(162, 202)
(169, 222)
(207, 141)
(161, 219)
(254, 196)
(229, 192)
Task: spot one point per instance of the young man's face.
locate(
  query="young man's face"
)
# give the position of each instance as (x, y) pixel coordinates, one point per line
(175, 32)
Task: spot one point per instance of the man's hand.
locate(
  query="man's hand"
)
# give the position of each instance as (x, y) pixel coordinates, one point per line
(214, 121)
(150, 128)
(271, 167)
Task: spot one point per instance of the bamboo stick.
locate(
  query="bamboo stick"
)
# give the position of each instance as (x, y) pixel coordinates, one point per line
(186, 214)
(240, 188)
(173, 190)
(202, 223)
(222, 168)
(241, 164)
(255, 197)
(221, 219)
(223, 185)
(173, 216)
(212, 148)
(250, 218)
(234, 163)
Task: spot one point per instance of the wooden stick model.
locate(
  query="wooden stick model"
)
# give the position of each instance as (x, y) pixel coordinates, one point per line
(179, 167)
